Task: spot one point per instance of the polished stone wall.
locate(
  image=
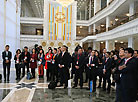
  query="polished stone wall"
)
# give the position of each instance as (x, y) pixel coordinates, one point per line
(9, 25)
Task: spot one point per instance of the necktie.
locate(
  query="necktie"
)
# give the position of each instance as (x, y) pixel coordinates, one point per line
(91, 60)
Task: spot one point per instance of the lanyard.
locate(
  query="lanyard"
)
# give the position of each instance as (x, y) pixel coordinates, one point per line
(127, 60)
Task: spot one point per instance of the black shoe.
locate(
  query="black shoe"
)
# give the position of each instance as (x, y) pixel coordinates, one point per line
(94, 90)
(74, 86)
(108, 91)
(104, 89)
(81, 87)
(88, 88)
(65, 87)
(113, 83)
(99, 87)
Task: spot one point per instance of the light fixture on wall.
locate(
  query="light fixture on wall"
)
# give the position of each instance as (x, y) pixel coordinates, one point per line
(80, 26)
(121, 42)
(101, 42)
(128, 14)
(79, 32)
(102, 25)
(116, 19)
(116, 41)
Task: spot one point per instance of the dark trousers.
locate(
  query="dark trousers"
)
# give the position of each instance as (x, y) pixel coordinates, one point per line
(49, 73)
(87, 72)
(18, 71)
(118, 93)
(79, 75)
(106, 77)
(128, 94)
(100, 80)
(92, 77)
(64, 76)
(6, 66)
(23, 69)
(33, 72)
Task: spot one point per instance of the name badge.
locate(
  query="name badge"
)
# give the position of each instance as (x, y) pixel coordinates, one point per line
(6, 58)
(32, 60)
(39, 63)
(77, 62)
(53, 62)
(25, 58)
(17, 61)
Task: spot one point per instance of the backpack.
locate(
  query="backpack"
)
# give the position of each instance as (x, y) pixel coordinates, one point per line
(29, 76)
(52, 85)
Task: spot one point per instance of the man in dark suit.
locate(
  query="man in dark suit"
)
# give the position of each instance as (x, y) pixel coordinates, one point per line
(101, 57)
(136, 56)
(118, 62)
(64, 64)
(107, 63)
(6, 56)
(25, 60)
(79, 65)
(129, 77)
(92, 65)
(54, 65)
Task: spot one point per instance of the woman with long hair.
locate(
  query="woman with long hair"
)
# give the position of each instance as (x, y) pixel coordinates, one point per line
(48, 59)
(41, 63)
(17, 59)
(33, 62)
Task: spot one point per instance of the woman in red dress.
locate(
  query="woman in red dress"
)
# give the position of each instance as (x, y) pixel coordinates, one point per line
(48, 59)
(33, 62)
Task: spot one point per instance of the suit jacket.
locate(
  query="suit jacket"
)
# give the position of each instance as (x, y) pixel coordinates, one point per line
(64, 60)
(95, 61)
(81, 61)
(129, 74)
(54, 60)
(28, 57)
(20, 58)
(9, 56)
(101, 57)
(107, 65)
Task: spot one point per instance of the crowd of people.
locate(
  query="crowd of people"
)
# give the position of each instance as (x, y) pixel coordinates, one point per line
(120, 66)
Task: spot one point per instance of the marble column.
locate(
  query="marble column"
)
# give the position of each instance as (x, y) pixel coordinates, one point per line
(94, 27)
(111, 45)
(89, 29)
(108, 1)
(108, 24)
(5, 22)
(90, 3)
(97, 5)
(85, 12)
(46, 16)
(131, 42)
(89, 44)
(74, 20)
(94, 45)
(97, 47)
(132, 8)
(107, 45)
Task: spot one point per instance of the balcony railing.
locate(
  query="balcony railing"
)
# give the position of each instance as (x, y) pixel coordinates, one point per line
(120, 22)
(104, 7)
(123, 21)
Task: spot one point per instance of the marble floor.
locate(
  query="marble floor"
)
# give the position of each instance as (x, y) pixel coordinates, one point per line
(36, 90)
